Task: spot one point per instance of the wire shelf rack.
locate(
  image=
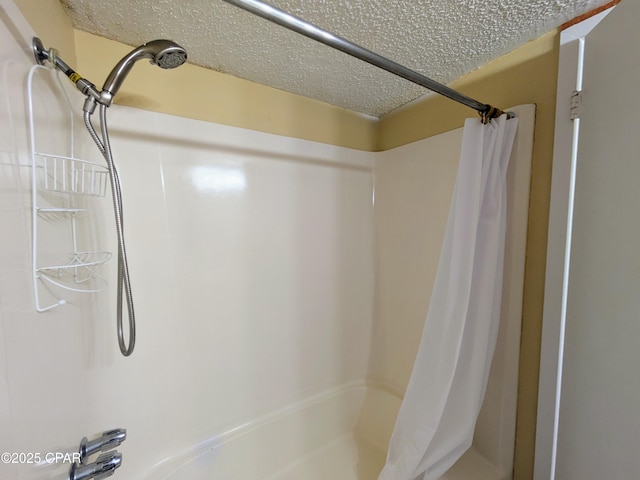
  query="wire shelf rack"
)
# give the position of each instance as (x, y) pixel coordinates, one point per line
(61, 185)
(70, 175)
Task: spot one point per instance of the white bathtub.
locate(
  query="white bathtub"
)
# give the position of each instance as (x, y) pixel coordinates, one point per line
(340, 434)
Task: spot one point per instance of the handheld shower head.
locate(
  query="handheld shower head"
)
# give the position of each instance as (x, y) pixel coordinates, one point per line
(164, 53)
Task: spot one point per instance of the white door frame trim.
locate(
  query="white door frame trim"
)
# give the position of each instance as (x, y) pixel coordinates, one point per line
(572, 44)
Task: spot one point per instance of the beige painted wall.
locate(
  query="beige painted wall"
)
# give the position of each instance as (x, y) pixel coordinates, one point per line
(198, 93)
(527, 75)
(54, 28)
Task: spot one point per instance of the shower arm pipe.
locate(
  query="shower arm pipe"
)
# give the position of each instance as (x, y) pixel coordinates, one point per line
(94, 96)
(82, 84)
(314, 32)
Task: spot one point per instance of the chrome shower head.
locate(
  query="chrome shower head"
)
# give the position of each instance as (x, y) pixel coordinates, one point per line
(164, 53)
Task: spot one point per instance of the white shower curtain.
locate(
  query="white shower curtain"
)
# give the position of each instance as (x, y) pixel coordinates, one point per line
(441, 404)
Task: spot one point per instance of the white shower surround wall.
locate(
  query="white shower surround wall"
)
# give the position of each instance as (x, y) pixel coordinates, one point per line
(253, 264)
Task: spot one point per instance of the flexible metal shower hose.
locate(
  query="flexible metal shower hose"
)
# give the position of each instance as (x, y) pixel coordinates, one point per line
(124, 284)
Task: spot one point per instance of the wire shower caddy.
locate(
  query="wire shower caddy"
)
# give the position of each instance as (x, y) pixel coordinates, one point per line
(60, 186)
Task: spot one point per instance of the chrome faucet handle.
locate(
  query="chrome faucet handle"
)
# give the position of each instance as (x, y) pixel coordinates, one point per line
(107, 441)
(103, 467)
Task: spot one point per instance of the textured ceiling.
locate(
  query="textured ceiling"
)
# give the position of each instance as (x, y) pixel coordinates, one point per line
(442, 39)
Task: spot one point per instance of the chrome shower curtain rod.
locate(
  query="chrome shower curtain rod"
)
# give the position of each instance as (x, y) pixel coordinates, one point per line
(314, 32)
